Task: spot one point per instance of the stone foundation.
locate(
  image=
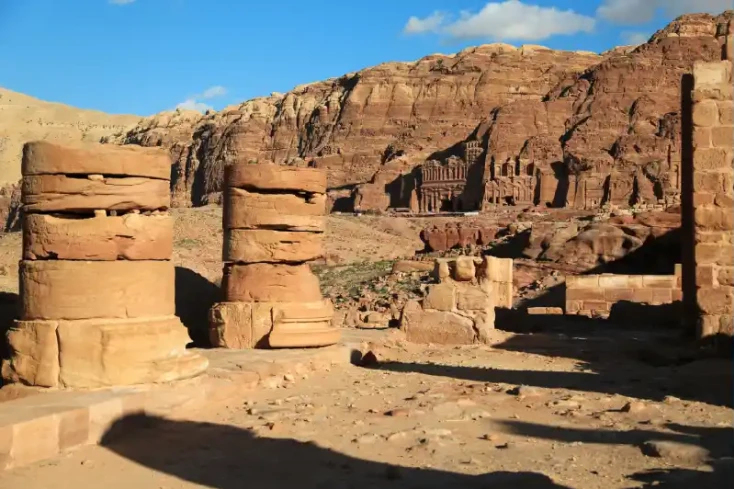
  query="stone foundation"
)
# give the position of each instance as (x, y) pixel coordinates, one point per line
(273, 220)
(600, 295)
(97, 288)
(460, 309)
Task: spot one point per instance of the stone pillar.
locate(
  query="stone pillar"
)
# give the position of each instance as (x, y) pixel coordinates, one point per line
(274, 220)
(96, 278)
(711, 141)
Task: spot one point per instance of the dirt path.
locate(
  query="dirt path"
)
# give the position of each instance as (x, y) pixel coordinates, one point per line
(532, 412)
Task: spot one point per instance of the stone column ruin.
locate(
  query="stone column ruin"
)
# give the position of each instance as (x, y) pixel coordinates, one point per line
(97, 302)
(712, 142)
(273, 220)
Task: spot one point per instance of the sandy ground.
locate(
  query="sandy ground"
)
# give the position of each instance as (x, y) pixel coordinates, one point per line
(534, 411)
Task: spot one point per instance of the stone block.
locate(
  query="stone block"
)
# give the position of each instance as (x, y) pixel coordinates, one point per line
(441, 297)
(725, 276)
(677, 295)
(700, 198)
(239, 217)
(34, 354)
(264, 282)
(275, 178)
(437, 327)
(573, 307)
(35, 440)
(713, 254)
(73, 428)
(55, 193)
(441, 270)
(582, 281)
(60, 289)
(710, 74)
(705, 159)
(464, 269)
(713, 237)
(301, 325)
(128, 237)
(715, 300)
(706, 275)
(473, 299)
(712, 182)
(6, 446)
(239, 200)
(102, 353)
(102, 415)
(545, 311)
(662, 296)
(47, 158)
(502, 294)
(607, 281)
(597, 306)
(230, 326)
(722, 137)
(725, 113)
(617, 295)
(497, 269)
(266, 246)
(634, 281)
(724, 200)
(701, 138)
(643, 296)
(596, 294)
(705, 113)
(659, 281)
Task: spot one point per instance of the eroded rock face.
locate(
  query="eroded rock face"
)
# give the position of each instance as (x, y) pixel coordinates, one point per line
(437, 238)
(591, 129)
(353, 124)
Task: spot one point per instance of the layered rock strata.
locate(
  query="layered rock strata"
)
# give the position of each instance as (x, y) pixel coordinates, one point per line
(97, 302)
(274, 222)
(460, 308)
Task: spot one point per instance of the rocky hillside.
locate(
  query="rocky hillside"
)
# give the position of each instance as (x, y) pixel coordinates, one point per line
(618, 108)
(351, 124)
(24, 118)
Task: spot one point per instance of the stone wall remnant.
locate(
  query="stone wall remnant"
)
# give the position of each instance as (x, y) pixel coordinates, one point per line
(273, 220)
(598, 295)
(443, 238)
(460, 307)
(712, 141)
(97, 304)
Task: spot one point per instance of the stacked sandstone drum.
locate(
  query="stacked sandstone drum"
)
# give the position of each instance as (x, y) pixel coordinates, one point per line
(96, 279)
(274, 220)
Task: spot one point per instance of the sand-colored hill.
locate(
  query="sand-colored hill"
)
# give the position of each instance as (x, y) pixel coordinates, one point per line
(24, 118)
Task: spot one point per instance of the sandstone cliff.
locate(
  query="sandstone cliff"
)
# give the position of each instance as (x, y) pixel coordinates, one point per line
(353, 124)
(572, 112)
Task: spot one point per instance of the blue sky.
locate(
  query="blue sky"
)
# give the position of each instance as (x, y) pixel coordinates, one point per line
(145, 56)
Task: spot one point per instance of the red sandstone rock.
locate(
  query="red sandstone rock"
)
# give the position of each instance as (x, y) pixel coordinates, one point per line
(263, 282)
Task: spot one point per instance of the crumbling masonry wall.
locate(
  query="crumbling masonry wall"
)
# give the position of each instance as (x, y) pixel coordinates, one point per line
(598, 295)
(460, 308)
(97, 304)
(273, 220)
(711, 141)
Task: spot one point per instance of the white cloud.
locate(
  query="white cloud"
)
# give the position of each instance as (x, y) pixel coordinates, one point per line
(641, 11)
(510, 19)
(121, 2)
(431, 23)
(634, 38)
(195, 102)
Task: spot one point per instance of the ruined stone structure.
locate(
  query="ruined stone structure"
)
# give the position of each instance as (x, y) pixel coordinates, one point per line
(711, 141)
(274, 220)
(460, 308)
(598, 295)
(96, 279)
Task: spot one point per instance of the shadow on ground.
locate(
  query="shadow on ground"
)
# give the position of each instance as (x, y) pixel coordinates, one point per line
(195, 295)
(227, 457)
